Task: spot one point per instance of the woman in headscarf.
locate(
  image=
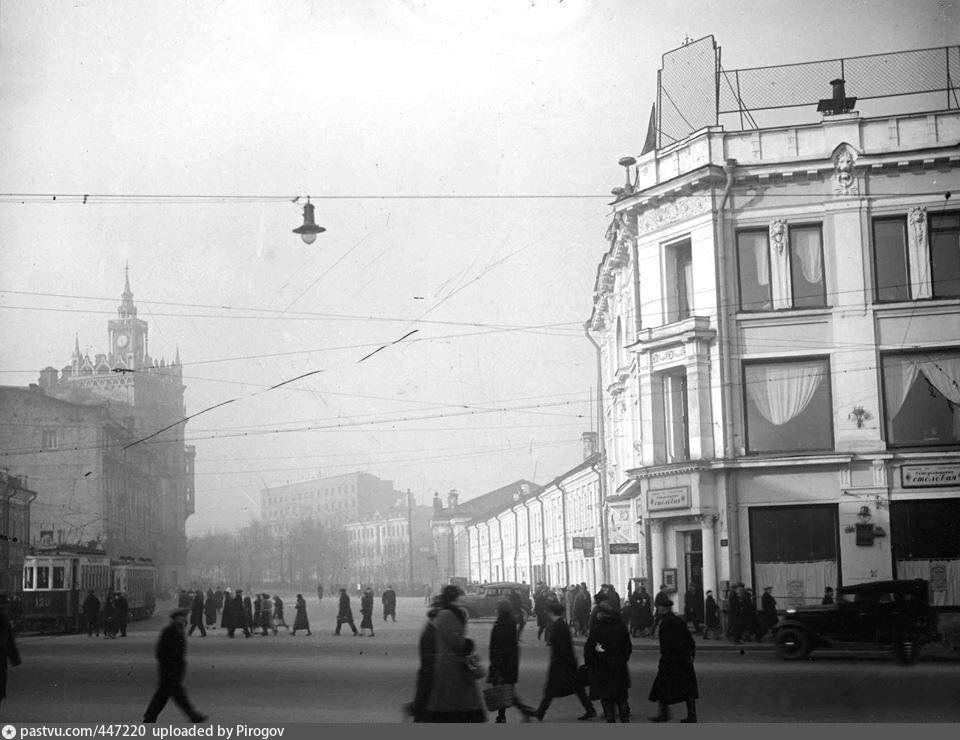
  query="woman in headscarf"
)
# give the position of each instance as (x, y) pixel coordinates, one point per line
(300, 622)
(455, 695)
(505, 659)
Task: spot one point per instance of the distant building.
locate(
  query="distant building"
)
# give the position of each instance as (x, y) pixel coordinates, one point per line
(332, 501)
(380, 548)
(71, 440)
(15, 500)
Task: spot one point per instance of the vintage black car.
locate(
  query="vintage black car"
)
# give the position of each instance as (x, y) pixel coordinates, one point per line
(889, 614)
(484, 603)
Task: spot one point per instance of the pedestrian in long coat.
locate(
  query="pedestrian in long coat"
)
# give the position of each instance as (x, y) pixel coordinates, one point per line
(266, 615)
(345, 613)
(676, 679)
(389, 600)
(505, 659)
(171, 652)
(366, 611)
(278, 620)
(196, 615)
(123, 613)
(455, 695)
(226, 616)
(735, 613)
(8, 652)
(210, 609)
(562, 672)
(91, 613)
(581, 611)
(247, 611)
(238, 616)
(768, 612)
(711, 615)
(751, 622)
(427, 650)
(606, 653)
(257, 622)
(300, 621)
(693, 606)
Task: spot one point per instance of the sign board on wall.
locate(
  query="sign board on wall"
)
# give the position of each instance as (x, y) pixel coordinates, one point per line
(930, 476)
(624, 548)
(668, 498)
(578, 543)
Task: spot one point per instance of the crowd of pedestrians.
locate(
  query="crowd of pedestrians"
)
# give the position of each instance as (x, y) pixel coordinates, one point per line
(111, 616)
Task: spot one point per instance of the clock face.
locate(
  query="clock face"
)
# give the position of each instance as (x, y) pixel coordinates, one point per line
(122, 340)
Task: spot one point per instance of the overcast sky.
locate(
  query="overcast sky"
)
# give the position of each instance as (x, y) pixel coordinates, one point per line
(323, 98)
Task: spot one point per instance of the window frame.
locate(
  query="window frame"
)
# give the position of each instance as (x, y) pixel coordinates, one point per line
(828, 377)
(791, 227)
(766, 233)
(885, 422)
(671, 290)
(902, 219)
(660, 403)
(933, 278)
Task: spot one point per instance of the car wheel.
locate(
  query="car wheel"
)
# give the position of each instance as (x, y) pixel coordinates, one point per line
(905, 651)
(792, 643)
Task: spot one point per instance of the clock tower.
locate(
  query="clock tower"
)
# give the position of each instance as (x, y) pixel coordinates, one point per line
(128, 334)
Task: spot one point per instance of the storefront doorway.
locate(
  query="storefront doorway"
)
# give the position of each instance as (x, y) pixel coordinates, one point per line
(693, 560)
(926, 544)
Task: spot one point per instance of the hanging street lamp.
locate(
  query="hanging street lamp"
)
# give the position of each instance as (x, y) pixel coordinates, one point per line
(308, 232)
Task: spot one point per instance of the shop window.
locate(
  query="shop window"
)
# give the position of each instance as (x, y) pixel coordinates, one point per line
(945, 254)
(753, 264)
(806, 267)
(922, 398)
(679, 282)
(891, 277)
(670, 427)
(788, 406)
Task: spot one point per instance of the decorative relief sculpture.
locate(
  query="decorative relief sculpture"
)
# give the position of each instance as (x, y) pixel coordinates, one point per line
(778, 234)
(918, 220)
(682, 208)
(844, 178)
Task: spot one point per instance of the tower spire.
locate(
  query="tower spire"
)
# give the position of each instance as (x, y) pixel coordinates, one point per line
(127, 309)
(76, 348)
(176, 358)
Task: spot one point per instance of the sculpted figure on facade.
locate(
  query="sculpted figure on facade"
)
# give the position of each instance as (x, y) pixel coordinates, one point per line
(844, 178)
(778, 234)
(918, 220)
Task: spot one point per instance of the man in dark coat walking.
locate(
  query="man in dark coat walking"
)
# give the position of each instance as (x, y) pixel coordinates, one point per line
(171, 655)
(91, 613)
(712, 616)
(196, 614)
(8, 650)
(505, 660)
(693, 606)
(606, 653)
(768, 612)
(676, 680)
(427, 649)
(389, 600)
(237, 617)
(345, 613)
(661, 599)
(562, 672)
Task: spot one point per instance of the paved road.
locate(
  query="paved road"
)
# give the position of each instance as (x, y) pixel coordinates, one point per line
(323, 678)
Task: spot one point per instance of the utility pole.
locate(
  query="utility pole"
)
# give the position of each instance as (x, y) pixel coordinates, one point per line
(410, 535)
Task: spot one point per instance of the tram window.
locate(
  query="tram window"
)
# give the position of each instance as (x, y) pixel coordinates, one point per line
(58, 571)
(43, 576)
(28, 577)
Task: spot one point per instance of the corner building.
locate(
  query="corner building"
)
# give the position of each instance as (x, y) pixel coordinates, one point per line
(778, 312)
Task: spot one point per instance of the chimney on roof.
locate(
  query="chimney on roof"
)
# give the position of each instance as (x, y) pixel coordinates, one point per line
(452, 496)
(437, 503)
(839, 102)
(590, 441)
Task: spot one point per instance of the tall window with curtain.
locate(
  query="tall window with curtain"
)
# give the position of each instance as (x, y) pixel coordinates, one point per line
(806, 267)
(753, 265)
(945, 254)
(788, 405)
(921, 394)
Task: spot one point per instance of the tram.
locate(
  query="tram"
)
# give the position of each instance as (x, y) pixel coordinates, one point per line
(56, 580)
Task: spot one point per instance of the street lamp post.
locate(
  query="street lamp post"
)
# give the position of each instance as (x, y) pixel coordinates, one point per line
(309, 230)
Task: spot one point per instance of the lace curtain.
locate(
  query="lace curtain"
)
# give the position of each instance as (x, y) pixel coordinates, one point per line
(941, 369)
(949, 596)
(805, 245)
(796, 584)
(782, 392)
